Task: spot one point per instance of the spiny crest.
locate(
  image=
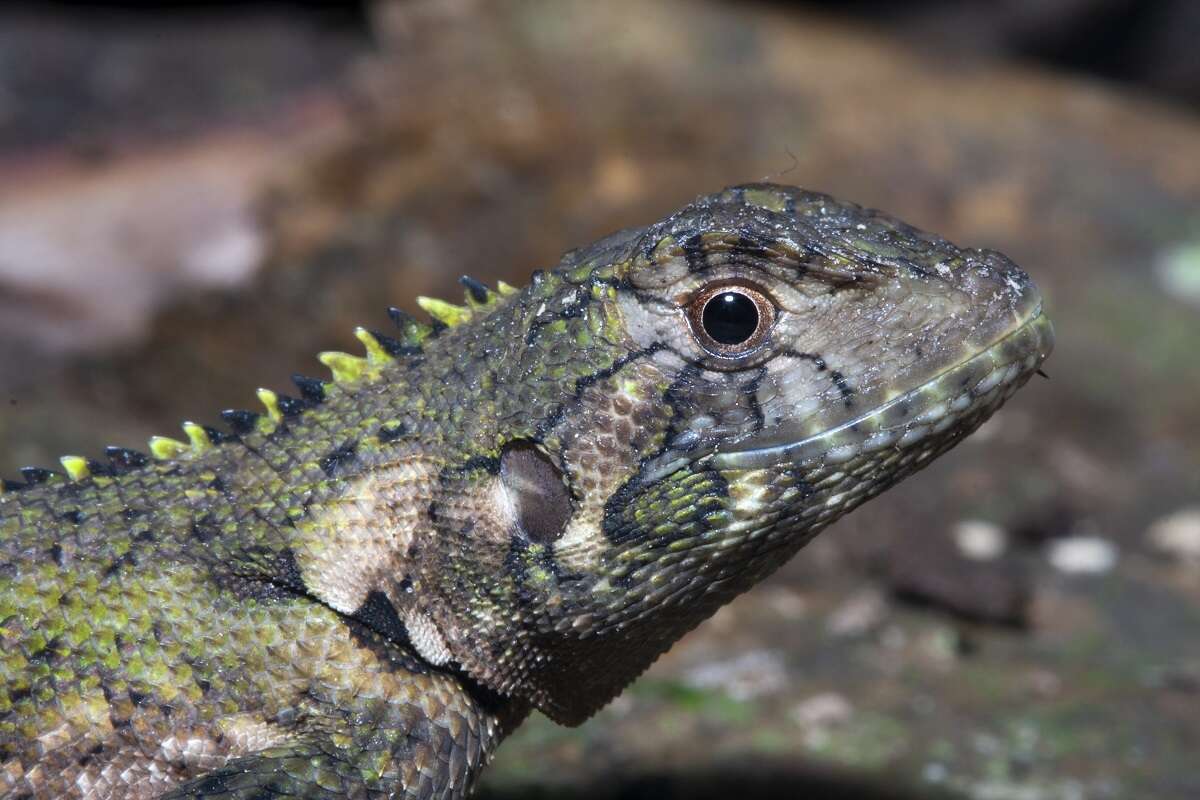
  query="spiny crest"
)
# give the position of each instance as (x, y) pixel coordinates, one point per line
(36, 475)
(381, 351)
(479, 299)
(448, 314)
(270, 401)
(478, 294)
(76, 468)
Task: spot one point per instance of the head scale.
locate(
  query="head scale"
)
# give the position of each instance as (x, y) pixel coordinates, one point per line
(671, 413)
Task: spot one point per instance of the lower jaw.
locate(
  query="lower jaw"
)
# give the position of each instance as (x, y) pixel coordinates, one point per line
(964, 394)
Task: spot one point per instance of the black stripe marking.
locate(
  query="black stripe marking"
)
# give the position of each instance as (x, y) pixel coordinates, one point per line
(391, 431)
(128, 559)
(337, 461)
(392, 656)
(839, 379)
(582, 300)
(522, 555)
(751, 391)
(751, 246)
(672, 399)
(204, 530)
(554, 417)
(646, 298)
(378, 614)
(260, 573)
(489, 464)
(693, 253)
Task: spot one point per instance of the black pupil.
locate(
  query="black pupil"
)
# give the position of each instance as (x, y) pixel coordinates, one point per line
(730, 318)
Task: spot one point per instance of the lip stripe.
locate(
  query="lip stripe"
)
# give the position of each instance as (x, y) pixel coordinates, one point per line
(932, 407)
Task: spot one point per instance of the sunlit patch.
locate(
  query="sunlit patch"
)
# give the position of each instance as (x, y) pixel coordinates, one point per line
(748, 496)
(356, 540)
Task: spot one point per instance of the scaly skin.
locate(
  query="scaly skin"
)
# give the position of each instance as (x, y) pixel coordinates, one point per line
(359, 593)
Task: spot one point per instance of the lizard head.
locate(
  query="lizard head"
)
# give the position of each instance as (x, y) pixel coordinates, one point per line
(685, 405)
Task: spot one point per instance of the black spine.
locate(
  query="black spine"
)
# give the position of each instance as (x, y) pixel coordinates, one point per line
(311, 389)
(478, 290)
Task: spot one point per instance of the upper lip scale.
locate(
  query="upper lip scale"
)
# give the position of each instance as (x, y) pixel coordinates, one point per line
(1044, 351)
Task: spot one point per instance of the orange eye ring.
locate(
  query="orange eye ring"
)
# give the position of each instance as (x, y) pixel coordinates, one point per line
(731, 320)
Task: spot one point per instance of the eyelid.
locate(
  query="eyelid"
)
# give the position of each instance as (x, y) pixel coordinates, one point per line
(688, 296)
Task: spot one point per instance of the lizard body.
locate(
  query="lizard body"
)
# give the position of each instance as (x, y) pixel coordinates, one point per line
(359, 592)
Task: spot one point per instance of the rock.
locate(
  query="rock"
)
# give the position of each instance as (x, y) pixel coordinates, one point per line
(1178, 535)
(822, 711)
(749, 675)
(931, 572)
(1178, 272)
(979, 540)
(1038, 526)
(150, 229)
(859, 615)
(1082, 555)
(787, 603)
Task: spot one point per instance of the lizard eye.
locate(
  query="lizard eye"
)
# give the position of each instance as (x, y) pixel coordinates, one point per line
(730, 319)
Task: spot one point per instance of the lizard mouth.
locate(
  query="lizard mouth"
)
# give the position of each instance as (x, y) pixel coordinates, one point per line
(959, 397)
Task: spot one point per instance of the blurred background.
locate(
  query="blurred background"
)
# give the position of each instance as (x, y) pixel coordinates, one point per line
(196, 198)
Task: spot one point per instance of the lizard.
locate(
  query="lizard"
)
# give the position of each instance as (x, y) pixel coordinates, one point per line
(515, 506)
